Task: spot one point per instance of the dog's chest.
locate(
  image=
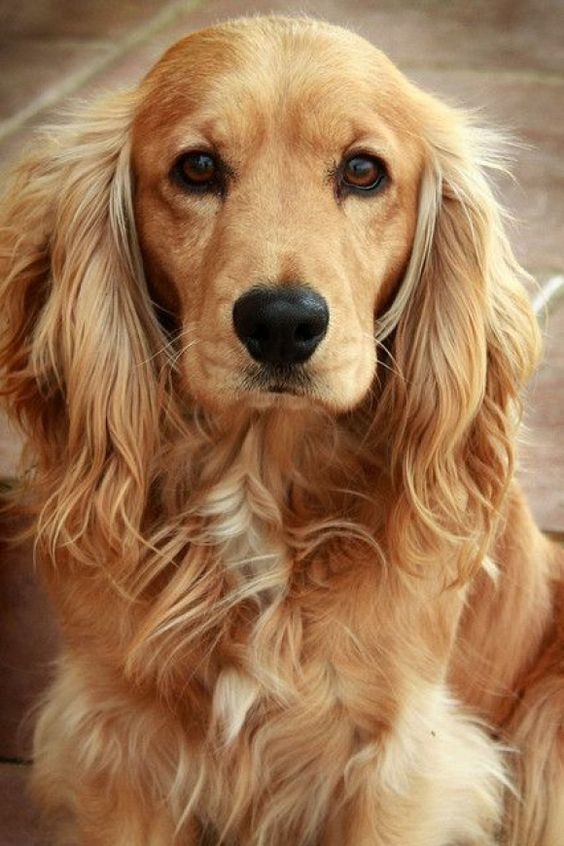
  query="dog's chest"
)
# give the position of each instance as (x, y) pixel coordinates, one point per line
(271, 682)
(242, 521)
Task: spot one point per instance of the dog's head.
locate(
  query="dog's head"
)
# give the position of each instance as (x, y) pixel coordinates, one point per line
(277, 168)
(274, 213)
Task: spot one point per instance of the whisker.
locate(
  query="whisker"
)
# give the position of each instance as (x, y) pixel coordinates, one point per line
(184, 349)
(169, 344)
(381, 345)
(160, 350)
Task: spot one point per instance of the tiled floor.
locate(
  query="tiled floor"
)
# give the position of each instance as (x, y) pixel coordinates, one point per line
(503, 57)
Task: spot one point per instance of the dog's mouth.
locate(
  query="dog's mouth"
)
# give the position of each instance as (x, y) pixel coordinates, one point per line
(270, 379)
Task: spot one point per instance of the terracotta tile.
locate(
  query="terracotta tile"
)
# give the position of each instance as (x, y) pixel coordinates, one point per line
(18, 823)
(32, 70)
(46, 48)
(62, 18)
(127, 71)
(542, 454)
(28, 644)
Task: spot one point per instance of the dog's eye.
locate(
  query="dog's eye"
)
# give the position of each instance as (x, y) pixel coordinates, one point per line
(198, 171)
(362, 173)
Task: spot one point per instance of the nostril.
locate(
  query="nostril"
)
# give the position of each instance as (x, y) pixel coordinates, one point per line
(309, 331)
(260, 332)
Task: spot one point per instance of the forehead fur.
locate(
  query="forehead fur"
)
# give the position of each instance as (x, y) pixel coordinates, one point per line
(270, 65)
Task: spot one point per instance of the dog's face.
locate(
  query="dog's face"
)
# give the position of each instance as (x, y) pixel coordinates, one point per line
(276, 201)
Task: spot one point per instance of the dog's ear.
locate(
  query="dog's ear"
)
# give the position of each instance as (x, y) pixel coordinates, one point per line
(78, 330)
(466, 339)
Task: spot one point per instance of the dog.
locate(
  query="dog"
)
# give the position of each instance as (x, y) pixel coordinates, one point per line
(265, 337)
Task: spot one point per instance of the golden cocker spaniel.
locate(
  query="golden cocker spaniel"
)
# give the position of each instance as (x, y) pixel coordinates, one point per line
(265, 336)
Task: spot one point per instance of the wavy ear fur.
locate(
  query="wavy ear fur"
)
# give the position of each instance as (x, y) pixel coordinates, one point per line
(464, 344)
(76, 315)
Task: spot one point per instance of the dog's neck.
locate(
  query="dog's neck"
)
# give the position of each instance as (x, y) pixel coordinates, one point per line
(274, 487)
(301, 463)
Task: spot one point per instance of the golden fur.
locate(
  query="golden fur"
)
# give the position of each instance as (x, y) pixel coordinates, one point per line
(319, 618)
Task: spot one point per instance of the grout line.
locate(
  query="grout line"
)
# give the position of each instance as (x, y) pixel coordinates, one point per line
(77, 79)
(514, 75)
(50, 97)
(550, 293)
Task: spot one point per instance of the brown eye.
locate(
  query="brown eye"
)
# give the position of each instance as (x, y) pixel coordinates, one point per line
(198, 171)
(363, 173)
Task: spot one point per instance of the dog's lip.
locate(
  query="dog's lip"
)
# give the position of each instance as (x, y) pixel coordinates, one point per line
(289, 381)
(279, 388)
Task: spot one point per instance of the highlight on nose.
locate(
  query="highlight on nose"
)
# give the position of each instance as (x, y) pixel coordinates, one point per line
(281, 326)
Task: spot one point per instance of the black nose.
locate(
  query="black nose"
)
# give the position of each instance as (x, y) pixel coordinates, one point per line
(281, 325)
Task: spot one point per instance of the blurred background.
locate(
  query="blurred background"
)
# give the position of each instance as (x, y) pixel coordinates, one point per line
(502, 58)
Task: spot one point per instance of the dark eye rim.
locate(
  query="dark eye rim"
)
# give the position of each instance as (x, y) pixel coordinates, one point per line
(215, 185)
(344, 187)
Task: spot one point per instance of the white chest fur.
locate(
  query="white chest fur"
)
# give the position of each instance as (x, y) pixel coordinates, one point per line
(242, 521)
(243, 524)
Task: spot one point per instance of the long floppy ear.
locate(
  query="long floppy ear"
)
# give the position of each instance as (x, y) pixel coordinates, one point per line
(78, 332)
(465, 341)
